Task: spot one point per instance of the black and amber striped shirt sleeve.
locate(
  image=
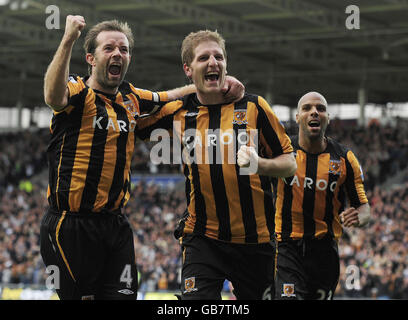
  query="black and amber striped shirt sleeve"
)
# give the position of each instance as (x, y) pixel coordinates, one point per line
(91, 146)
(222, 203)
(163, 118)
(272, 135)
(309, 203)
(148, 102)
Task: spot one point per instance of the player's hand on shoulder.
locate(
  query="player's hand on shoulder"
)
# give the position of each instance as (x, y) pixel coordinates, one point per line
(233, 89)
(73, 27)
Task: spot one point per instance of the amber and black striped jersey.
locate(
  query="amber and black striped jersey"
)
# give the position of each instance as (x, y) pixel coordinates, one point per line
(222, 203)
(91, 146)
(309, 203)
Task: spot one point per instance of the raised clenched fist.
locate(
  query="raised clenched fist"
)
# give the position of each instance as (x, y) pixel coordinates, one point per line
(73, 27)
(247, 155)
(349, 218)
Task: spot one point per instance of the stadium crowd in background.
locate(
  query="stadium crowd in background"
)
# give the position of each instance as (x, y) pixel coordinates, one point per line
(380, 251)
(23, 158)
(383, 150)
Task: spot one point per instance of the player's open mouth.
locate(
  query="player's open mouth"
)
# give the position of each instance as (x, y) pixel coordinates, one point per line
(211, 76)
(314, 124)
(114, 69)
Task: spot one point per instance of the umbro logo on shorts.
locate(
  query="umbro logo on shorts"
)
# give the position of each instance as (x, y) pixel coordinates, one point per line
(126, 291)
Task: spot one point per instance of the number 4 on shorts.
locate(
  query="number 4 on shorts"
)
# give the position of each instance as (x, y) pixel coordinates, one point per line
(126, 276)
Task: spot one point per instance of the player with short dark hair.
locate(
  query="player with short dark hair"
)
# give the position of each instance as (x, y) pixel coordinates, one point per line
(311, 207)
(84, 232)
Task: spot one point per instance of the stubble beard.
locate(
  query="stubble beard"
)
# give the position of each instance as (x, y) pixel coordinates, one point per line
(312, 136)
(102, 77)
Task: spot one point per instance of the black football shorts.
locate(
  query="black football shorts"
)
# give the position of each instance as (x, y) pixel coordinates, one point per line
(93, 253)
(307, 269)
(207, 263)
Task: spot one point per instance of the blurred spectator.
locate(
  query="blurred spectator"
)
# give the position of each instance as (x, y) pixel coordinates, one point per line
(162, 283)
(22, 156)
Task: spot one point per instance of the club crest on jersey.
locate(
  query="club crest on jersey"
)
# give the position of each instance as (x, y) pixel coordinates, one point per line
(288, 290)
(189, 285)
(131, 108)
(240, 117)
(334, 167)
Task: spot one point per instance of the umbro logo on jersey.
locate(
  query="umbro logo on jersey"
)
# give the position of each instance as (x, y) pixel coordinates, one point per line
(126, 291)
(72, 79)
(191, 114)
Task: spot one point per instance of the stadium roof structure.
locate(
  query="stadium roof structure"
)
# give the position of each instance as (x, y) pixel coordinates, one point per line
(279, 49)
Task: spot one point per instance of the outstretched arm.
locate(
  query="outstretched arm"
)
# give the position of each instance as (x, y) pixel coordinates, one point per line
(233, 90)
(180, 92)
(55, 80)
(282, 166)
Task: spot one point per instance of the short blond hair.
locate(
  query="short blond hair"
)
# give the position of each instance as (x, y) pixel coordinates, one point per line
(111, 25)
(192, 40)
